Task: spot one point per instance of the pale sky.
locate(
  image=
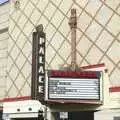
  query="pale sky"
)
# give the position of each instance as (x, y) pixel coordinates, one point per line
(2, 1)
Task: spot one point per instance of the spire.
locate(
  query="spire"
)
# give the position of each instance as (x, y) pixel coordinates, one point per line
(73, 26)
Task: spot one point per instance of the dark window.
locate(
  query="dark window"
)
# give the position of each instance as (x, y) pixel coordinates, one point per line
(82, 115)
(1, 114)
(117, 118)
(3, 1)
(25, 119)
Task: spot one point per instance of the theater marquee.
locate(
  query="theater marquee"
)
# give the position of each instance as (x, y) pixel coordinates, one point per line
(69, 85)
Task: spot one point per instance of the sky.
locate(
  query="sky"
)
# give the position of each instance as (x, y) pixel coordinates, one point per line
(3, 1)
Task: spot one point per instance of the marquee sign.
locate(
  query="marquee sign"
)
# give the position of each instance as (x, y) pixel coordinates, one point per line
(38, 66)
(70, 85)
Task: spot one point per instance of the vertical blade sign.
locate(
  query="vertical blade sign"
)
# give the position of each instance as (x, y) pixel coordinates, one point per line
(38, 66)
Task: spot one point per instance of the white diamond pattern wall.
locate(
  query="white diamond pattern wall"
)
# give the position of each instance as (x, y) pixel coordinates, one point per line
(98, 38)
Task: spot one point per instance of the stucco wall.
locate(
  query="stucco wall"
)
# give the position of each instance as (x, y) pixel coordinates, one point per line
(98, 37)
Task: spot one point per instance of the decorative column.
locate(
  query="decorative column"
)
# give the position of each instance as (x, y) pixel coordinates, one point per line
(73, 26)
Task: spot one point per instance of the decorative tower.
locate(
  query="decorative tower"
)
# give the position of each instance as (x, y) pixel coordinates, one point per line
(73, 26)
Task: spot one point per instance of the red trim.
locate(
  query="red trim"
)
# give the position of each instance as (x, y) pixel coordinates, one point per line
(114, 89)
(75, 74)
(93, 66)
(16, 99)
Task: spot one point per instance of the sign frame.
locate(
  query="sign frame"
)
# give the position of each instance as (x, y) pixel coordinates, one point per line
(73, 100)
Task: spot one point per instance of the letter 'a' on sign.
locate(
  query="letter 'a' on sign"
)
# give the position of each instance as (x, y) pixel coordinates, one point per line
(41, 51)
(38, 65)
(41, 69)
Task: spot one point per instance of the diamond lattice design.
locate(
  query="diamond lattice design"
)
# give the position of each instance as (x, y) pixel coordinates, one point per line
(98, 38)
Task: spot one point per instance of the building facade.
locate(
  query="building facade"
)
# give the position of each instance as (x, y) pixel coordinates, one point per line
(98, 39)
(4, 15)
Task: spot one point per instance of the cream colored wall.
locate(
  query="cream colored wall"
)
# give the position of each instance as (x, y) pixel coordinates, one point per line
(98, 37)
(4, 14)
